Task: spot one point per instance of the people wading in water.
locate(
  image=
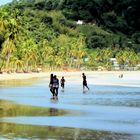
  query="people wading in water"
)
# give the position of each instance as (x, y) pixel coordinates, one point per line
(55, 86)
(84, 82)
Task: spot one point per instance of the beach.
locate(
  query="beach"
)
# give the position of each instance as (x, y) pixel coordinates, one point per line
(130, 75)
(110, 103)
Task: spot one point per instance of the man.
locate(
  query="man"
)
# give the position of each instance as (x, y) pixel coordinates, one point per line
(84, 82)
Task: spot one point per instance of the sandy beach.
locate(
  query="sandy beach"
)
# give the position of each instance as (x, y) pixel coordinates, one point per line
(16, 76)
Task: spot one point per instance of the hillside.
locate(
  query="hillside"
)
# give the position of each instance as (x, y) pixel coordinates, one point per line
(119, 16)
(45, 33)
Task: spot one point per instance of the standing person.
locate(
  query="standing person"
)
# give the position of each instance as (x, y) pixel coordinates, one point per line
(84, 82)
(121, 76)
(51, 86)
(55, 86)
(62, 82)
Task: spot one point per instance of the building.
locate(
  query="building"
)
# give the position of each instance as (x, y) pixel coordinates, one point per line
(79, 22)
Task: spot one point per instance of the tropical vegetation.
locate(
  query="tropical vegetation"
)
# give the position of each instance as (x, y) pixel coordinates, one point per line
(45, 33)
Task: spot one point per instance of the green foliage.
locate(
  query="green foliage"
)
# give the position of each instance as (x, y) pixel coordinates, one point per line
(44, 33)
(96, 41)
(47, 20)
(136, 37)
(122, 16)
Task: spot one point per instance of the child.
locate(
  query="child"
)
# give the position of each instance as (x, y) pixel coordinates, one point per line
(62, 82)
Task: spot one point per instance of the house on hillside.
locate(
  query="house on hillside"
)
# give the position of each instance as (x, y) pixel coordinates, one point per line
(115, 63)
(79, 22)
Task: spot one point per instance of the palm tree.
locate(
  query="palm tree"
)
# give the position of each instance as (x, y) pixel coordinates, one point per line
(81, 51)
(1, 62)
(8, 47)
(78, 51)
(29, 54)
(125, 57)
(48, 54)
(132, 59)
(17, 64)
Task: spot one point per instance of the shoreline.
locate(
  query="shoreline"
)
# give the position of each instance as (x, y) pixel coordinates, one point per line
(22, 76)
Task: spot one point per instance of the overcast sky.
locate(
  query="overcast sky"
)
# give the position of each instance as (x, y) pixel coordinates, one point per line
(2, 2)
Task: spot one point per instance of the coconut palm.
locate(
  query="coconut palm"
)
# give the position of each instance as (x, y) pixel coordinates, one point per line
(48, 54)
(29, 54)
(78, 51)
(8, 47)
(17, 64)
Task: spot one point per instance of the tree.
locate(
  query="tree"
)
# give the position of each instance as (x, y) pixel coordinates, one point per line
(29, 54)
(8, 47)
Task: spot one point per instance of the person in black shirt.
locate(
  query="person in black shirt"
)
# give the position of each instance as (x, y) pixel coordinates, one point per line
(51, 85)
(55, 86)
(84, 82)
(62, 82)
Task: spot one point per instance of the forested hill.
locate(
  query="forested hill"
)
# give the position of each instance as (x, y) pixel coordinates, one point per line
(44, 33)
(117, 15)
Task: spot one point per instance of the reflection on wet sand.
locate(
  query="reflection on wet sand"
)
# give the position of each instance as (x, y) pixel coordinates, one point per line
(15, 83)
(17, 131)
(53, 112)
(8, 109)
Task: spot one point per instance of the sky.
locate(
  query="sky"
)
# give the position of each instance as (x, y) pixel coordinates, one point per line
(2, 2)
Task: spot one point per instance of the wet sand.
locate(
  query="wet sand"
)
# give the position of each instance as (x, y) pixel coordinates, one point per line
(111, 105)
(43, 131)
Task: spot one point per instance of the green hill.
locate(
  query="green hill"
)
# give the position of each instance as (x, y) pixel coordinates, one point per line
(45, 33)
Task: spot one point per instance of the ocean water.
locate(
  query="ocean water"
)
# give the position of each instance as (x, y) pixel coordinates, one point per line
(109, 110)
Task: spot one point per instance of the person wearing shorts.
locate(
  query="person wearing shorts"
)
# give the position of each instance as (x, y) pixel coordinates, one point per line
(84, 82)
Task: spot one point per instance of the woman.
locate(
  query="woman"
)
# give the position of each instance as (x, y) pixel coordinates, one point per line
(55, 86)
(51, 85)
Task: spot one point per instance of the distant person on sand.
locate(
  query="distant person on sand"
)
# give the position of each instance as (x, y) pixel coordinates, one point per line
(51, 85)
(55, 86)
(62, 82)
(121, 76)
(84, 82)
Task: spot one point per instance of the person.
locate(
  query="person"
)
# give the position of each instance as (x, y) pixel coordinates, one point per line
(51, 86)
(55, 86)
(62, 82)
(121, 76)
(84, 82)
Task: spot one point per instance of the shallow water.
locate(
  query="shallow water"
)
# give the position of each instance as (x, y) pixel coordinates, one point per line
(110, 110)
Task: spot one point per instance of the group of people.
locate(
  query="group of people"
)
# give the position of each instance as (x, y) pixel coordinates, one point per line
(54, 85)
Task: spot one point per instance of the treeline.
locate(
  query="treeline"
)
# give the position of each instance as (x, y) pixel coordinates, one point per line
(117, 15)
(120, 17)
(44, 33)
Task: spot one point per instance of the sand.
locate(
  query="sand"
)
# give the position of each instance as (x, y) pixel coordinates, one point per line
(16, 76)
